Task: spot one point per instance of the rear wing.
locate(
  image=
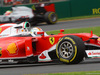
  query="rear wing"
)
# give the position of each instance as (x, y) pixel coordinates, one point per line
(43, 7)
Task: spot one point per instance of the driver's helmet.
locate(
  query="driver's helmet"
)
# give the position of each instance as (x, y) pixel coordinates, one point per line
(35, 30)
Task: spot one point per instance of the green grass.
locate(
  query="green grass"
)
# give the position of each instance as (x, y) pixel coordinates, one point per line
(72, 73)
(96, 30)
(78, 73)
(79, 17)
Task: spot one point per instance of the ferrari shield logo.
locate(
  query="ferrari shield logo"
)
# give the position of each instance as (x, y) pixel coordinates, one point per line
(52, 40)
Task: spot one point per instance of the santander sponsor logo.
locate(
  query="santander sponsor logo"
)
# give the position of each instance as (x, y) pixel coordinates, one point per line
(94, 53)
(89, 53)
(42, 56)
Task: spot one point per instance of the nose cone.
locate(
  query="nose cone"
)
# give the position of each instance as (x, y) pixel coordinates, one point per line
(12, 47)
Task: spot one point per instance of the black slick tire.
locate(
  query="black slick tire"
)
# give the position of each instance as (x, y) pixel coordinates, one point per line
(70, 49)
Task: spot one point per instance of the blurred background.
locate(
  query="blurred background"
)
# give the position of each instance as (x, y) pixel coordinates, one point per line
(21, 2)
(63, 8)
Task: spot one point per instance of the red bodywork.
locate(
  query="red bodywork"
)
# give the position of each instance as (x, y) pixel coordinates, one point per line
(44, 7)
(50, 7)
(23, 47)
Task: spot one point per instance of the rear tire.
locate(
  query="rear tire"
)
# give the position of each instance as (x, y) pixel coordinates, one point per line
(70, 49)
(50, 17)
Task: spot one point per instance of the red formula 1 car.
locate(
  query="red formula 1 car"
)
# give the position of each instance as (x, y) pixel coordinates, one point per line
(37, 46)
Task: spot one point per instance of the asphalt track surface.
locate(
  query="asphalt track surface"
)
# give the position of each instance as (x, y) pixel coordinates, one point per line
(72, 24)
(55, 67)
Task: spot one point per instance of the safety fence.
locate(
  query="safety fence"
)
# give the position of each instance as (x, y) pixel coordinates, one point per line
(72, 8)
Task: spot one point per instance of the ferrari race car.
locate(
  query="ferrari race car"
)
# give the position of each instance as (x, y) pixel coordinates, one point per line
(37, 46)
(37, 14)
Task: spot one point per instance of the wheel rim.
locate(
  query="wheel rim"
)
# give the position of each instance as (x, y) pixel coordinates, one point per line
(53, 17)
(66, 49)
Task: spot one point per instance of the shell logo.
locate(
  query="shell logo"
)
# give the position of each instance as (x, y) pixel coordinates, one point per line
(12, 48)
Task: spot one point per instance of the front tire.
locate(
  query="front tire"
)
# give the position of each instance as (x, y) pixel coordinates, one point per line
(70, 49)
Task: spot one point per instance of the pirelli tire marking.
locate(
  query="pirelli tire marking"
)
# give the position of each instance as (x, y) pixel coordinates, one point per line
(52, 13)
(0, 51)
(0, 30)
(68, 56)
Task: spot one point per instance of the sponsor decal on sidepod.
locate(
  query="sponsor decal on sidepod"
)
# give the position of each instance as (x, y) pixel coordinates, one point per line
(93, 53)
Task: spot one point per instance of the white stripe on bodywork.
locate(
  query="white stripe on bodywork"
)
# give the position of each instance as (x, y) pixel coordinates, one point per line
(46, 54)
(8, 25)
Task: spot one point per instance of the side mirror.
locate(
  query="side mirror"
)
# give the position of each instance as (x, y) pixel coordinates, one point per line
(62, 30)
(40, 33)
